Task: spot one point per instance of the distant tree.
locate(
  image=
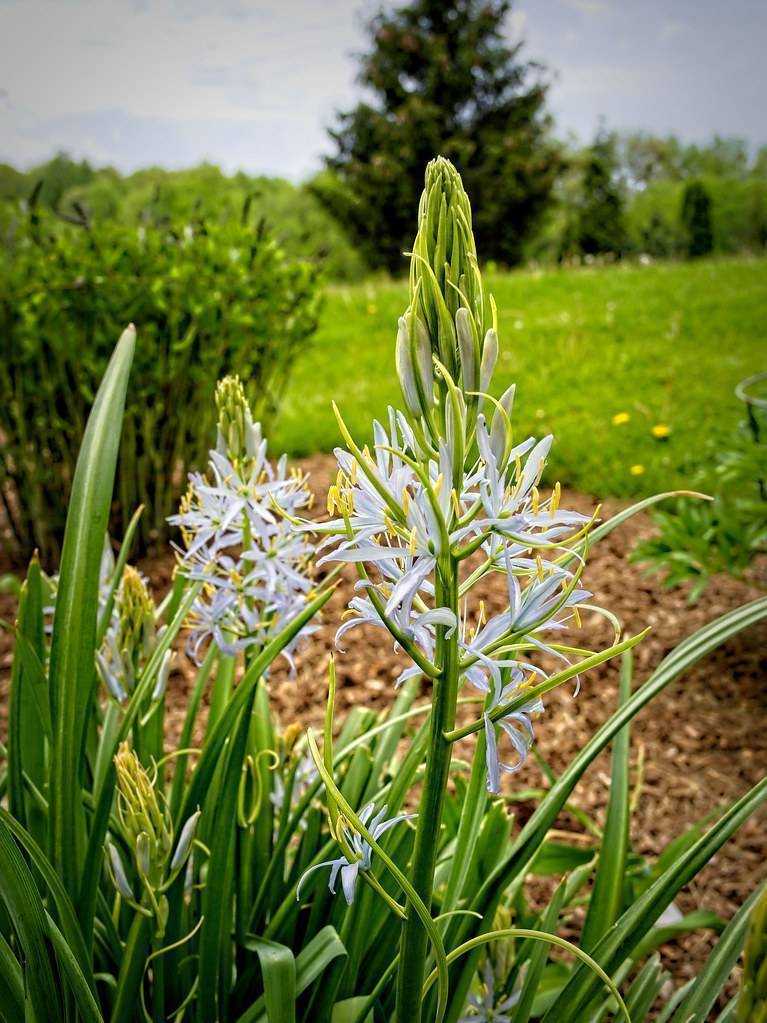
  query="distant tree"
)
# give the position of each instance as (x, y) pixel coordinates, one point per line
(443, 79)
(696, 219)
(646, 158)
(599, 222)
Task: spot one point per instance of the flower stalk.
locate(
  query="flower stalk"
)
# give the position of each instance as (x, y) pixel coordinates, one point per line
(414, 941)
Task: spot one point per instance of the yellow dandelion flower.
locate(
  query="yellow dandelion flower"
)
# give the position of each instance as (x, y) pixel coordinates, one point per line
(372, 309)
(660, 431)
(636, 470)
(620, 418)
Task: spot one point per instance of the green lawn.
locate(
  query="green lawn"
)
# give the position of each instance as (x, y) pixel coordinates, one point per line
(664, 343)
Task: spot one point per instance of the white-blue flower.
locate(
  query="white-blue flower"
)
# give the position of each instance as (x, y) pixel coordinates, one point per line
(350, 869)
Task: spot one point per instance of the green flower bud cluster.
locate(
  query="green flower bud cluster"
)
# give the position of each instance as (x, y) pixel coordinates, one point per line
(752, 1001)
(235, 422)
(136, 614)
(148, 834)
(131, 639)
(447, 318)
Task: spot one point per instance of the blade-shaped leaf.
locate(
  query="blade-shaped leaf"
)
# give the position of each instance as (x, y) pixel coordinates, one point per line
(73, 639)
(278, 969)
(605, 902)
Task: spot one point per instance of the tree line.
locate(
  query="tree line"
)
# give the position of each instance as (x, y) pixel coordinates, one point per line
(442, 76)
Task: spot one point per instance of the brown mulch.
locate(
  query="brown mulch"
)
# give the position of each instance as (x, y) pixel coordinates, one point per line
(703, 741)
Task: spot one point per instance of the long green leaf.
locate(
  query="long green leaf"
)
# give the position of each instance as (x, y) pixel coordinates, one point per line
(64, 907)
(628, 931)
(679, 660)
(218, 897)
(605, 902)
(22, 902)
(710, 981)
(278, 969)
(311, 961)
(86, 1003)
(11, 984)
(73, 640)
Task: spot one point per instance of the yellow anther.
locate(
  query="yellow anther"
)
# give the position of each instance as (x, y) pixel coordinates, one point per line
(556, 496)
(536, 498)
(332, 499)
(456, 505)
(438, 485)
(518, 465)
(539, 563)
(577, 617)
(354, 471)
(405, 500)
(412, 541)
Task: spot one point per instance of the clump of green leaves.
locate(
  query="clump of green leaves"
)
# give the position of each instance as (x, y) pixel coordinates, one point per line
(699, 539)
(206, 296)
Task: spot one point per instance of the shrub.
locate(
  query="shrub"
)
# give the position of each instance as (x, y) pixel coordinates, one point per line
(128, 895)
(205, 297)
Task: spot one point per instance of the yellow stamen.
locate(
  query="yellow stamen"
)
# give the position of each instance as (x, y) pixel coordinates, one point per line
(539, 563)
(412, 541)
(536, 498)
(456, 506)
(577, 617)
(556, 496)
(438, 485)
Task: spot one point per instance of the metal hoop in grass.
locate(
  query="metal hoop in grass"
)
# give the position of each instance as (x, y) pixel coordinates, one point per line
(551, 939)
(742, 390)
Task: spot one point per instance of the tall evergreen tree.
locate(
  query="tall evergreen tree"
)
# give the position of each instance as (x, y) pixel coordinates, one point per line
(443, 78)
(600, 217)
(696, 219)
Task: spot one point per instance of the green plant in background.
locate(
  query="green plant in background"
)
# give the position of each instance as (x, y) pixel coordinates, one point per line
(206, 296)
(696, 219)
(694, 540)
(133, 891)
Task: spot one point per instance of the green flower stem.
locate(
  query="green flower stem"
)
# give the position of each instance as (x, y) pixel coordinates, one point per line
(413, 945)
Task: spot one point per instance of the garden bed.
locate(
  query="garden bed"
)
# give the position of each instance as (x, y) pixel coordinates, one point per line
(703, 741)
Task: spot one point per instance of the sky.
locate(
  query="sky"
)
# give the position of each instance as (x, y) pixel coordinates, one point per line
(254, 84)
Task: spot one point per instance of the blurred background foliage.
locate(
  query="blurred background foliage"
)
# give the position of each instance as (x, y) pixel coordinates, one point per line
(206, 295)
(222, 272)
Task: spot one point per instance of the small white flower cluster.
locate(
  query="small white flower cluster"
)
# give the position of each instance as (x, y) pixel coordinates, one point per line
(404, 510)
(241, 539)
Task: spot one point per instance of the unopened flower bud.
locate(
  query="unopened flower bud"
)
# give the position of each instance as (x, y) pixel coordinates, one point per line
(185, 839)
(500, 438)
(235, 422)
(118, 872)
(489, 359)
(136, 611)
(466, 350)
(444, 274)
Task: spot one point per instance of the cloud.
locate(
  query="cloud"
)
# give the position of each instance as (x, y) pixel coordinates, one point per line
(591, 8)
(670, 29)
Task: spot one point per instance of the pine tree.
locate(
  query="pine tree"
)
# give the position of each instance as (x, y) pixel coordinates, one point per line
(696, 219)
(443, 79)
(600, 224)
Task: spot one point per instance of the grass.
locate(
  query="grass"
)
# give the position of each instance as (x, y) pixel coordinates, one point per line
(665, 343)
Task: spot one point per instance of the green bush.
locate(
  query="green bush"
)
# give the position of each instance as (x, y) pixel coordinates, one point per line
(206, 297)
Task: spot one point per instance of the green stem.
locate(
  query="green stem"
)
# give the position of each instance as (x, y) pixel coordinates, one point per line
(132, 970)
(413, 944)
